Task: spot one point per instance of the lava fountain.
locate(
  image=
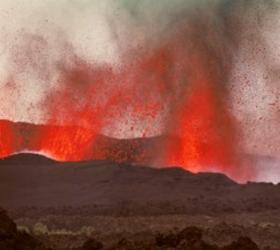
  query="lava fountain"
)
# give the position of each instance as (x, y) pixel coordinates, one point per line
(175, 89)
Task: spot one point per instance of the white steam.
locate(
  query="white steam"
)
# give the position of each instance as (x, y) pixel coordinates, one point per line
(37, 37)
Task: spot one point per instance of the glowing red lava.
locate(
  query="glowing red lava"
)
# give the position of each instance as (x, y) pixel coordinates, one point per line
(7, 139)
(182, 80)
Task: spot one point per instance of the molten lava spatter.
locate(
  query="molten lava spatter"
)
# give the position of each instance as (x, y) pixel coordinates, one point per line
(67, 143)
(177, 89)
(205, 127)
(7, 139)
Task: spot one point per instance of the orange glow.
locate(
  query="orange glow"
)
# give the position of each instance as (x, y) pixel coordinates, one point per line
(7, 139)
(179, 80)
(66, 143)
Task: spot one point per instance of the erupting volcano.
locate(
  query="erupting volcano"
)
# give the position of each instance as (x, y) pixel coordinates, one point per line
(174, 83)
(167, 100)
(140, 124)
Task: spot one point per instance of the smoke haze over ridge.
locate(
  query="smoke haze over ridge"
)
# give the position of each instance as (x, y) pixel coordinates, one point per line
(156, 52)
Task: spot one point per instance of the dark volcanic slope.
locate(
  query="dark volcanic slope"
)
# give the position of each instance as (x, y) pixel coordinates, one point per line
(40, 182)
(26, 159)
(35, 138)
(60, 143)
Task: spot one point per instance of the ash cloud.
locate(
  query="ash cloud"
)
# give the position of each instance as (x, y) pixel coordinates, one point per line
(68, 48)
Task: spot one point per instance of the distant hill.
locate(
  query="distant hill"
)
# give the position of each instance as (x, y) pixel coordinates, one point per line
(28, 180)
(26, 159)
(80, 144)
(72, 143)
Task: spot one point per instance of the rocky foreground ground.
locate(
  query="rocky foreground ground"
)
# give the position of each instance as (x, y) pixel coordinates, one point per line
(105, 205)
(13, 238)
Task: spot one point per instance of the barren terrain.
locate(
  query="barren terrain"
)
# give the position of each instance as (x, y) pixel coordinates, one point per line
(64, 204)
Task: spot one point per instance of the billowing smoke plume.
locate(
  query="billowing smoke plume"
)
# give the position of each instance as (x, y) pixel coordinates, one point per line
(203, 74)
